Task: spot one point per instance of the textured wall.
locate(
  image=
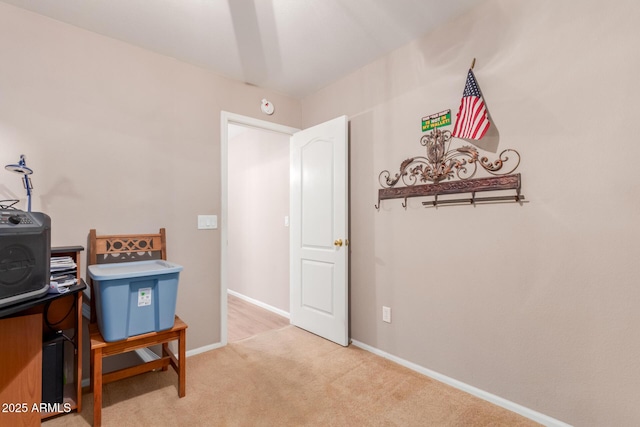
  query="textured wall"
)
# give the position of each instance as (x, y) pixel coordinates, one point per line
(536, 303)
(122, 140)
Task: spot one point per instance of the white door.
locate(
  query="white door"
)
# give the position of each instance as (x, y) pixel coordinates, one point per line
(319, 230)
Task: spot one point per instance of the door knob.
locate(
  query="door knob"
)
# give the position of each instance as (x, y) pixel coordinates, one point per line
(338, 242)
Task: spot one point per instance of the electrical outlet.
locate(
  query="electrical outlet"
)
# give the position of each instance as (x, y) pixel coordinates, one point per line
(386, 314)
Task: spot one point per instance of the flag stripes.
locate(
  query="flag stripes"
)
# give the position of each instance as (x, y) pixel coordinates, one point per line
(472, 120)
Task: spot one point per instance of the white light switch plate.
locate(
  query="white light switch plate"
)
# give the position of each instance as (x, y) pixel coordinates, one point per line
(386, 314)
(207, 222)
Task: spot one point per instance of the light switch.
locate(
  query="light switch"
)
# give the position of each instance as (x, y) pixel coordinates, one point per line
(207, 222)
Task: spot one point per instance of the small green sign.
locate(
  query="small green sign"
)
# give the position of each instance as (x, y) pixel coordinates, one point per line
(437, 120)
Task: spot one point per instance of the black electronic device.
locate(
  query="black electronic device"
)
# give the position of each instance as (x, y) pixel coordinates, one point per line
(25, 255)
(53, 370)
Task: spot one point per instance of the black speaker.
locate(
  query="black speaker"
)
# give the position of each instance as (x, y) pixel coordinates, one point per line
(25, 255)
(53, 370)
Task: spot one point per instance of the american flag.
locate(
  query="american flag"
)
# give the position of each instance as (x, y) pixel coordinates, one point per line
(472, 121)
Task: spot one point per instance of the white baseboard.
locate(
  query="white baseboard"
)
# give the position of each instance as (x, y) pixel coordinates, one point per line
(492, 398)
(204, 349)
(146, 354)
(259, 304)
(249, 300)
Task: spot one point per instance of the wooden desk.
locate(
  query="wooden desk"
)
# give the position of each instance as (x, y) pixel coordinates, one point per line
(48, 313)
(21, 373)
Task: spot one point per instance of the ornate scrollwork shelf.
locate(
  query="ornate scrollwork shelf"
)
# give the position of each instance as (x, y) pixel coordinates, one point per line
(431, 175)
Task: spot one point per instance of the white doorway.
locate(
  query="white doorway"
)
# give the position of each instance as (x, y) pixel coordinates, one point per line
(254, 223)
(258, 229)
(318, 217)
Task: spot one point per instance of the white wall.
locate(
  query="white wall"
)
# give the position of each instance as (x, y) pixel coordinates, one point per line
(258, 258)
(536, 303)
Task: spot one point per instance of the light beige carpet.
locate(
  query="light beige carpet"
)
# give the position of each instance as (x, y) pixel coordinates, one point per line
(289, 377)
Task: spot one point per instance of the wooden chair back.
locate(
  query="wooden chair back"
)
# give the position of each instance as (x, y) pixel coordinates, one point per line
(123, 248)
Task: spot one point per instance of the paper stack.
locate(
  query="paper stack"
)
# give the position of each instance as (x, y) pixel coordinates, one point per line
(63, 274)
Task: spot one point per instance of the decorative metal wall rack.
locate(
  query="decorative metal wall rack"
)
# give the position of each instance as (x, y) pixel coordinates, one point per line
(430, 175)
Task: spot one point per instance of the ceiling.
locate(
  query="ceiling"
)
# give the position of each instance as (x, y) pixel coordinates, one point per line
(291, 46)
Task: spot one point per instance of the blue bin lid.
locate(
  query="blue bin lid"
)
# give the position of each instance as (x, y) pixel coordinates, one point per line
(125, 270)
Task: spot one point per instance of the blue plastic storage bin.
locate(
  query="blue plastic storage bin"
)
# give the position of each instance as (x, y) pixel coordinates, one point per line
(134, 298)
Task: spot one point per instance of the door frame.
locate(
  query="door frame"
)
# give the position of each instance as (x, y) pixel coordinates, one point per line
(227, 118)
